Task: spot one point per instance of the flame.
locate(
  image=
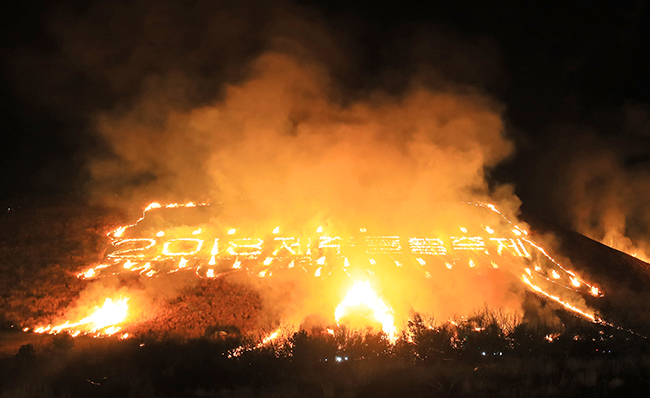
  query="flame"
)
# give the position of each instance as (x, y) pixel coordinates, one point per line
(103, 321)
(362, 295)
(210, 251)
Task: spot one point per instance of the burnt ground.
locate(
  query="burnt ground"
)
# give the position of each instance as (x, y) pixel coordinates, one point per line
(44, 242)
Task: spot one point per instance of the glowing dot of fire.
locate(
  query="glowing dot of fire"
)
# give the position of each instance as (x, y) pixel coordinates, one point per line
(160, 233)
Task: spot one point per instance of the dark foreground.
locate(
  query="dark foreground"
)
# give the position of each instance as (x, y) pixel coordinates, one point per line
(584, 361)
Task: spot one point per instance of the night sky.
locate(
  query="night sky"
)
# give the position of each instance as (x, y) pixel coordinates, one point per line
(572, 78)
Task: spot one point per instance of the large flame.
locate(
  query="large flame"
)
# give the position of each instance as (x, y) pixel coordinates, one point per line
(487, 242)
(103, 321)
(361, 295)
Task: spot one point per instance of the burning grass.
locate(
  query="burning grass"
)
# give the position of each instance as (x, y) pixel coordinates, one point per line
(204, 339)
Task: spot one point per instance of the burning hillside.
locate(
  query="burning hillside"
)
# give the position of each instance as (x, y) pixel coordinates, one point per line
(319, 198)
(361, 277)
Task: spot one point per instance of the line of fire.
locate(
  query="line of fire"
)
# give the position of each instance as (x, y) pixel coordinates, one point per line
(155, 246)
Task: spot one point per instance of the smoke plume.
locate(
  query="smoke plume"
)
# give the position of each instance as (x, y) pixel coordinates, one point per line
(267, 115)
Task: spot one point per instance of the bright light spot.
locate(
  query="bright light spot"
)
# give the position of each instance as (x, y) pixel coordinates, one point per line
(555, 274)
(489, 230)
(236, 264)
(128, 264)
(463, 229)
(319, 229)
(317, 273)
(268, 260)
(90, 273)
(448, 265)
(362, 229)
(197, 231)
(276, 230)
(321, 261)
(262, 274)
(210, 273)
(361, 294)
(421, 261)
(516, 232)
(494, 265)
(346, 262)
(270, 337)
(182, 263)
(398, 263)
(118, 232)
(160, 233)
(338, 359)
(103, 319)
(575, 282)
(232, 231)
(594, 291)
(372, 261)
(471, 263)
(153, 205)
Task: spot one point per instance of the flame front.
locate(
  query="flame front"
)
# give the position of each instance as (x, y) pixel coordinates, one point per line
(103, 321)
(485, 242)
(362, 295)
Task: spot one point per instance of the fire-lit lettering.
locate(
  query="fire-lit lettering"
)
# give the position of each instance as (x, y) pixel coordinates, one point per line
(383, 244)
(246, 247)
(183, 243)
(137, 247)
(431, 246)
(474, 243)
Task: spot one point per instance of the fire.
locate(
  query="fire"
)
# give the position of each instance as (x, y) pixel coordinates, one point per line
(103, 321)
(361, 295)
(217, 247)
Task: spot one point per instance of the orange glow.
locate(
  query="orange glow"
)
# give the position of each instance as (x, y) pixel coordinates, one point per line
(103, 321)
(361, 295)
(494, 245)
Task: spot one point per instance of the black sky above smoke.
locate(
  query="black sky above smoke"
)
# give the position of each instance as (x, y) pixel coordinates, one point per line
(573, 79)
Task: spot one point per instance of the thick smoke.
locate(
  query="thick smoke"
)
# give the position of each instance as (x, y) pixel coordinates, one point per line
(256, 114)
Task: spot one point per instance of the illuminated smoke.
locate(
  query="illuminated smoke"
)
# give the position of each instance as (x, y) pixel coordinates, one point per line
(274, 137)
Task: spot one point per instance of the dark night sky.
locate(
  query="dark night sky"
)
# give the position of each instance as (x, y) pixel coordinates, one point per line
(570, 75)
